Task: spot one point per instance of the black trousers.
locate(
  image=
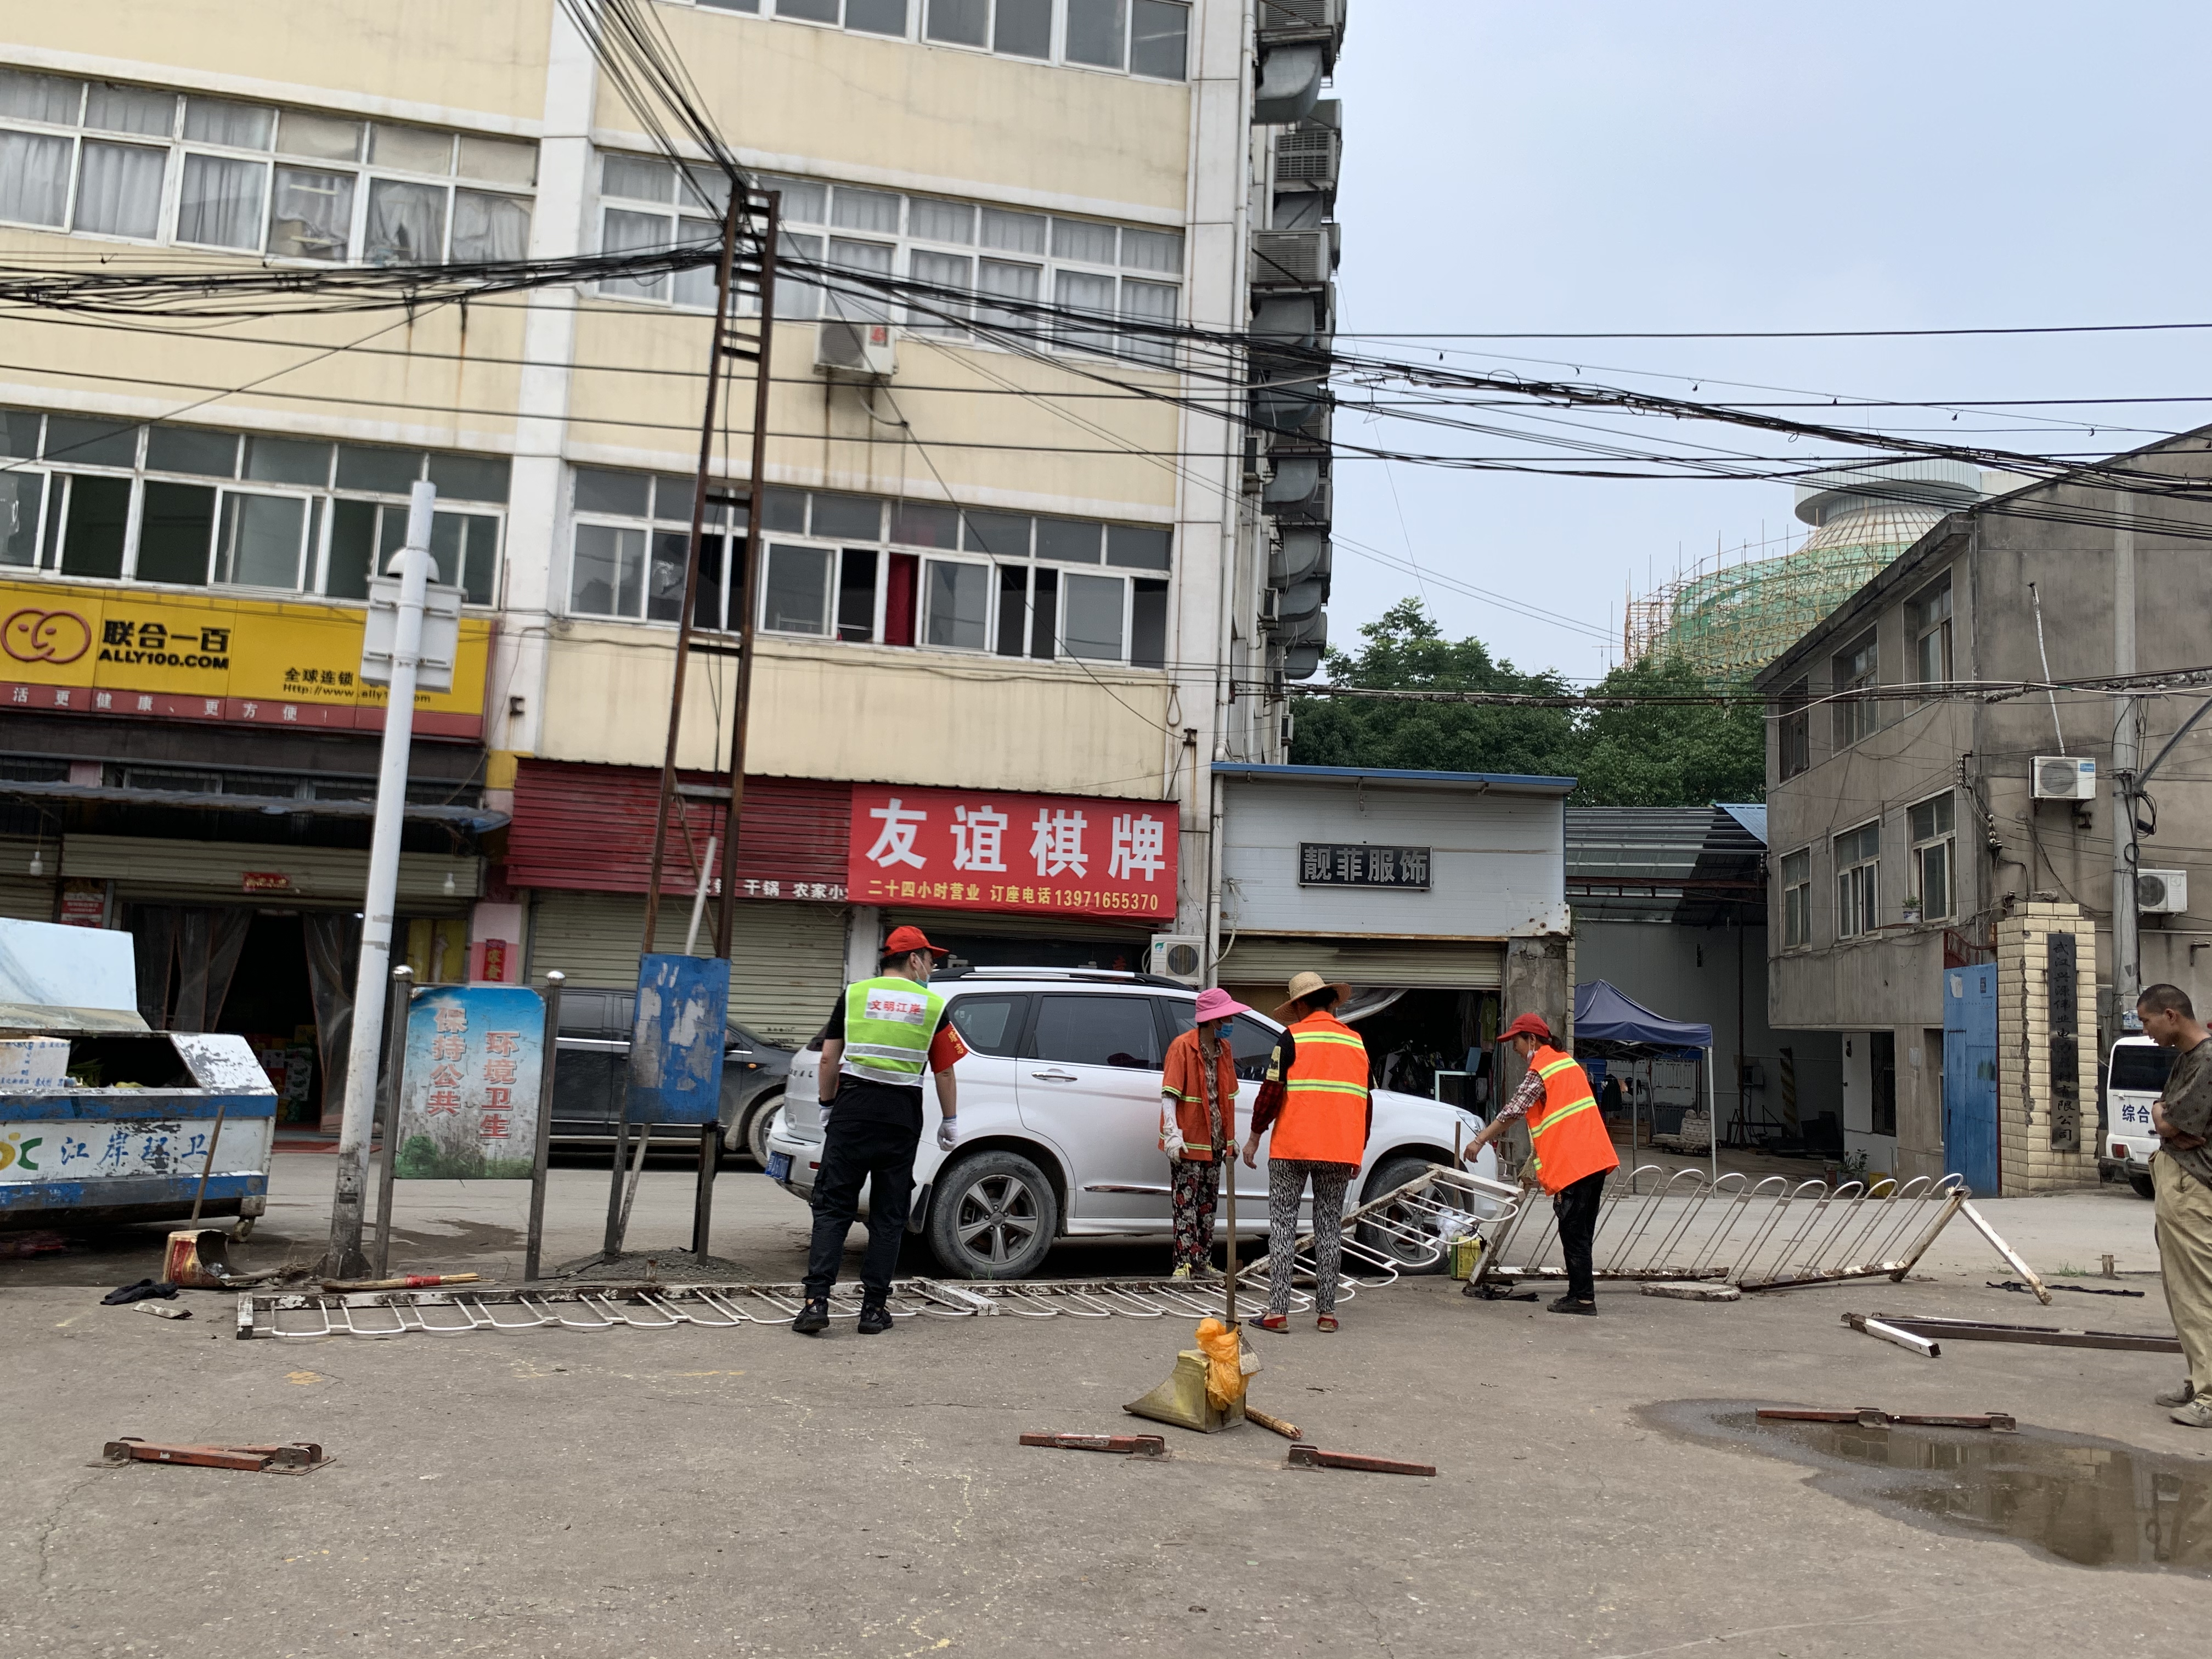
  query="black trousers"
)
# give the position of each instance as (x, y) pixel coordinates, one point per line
(1577, 1207)
(881, 1154)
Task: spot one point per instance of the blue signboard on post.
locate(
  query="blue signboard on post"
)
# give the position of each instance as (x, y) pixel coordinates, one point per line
(676, 1048)
(468, 1106)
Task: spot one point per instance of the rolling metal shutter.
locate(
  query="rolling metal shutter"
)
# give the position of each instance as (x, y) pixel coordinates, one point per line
(144, 867)
(787, 966)
(1446, 965)
(24, 897)
(591, 827)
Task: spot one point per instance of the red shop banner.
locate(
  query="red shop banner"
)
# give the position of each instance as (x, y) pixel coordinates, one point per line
(972, 849)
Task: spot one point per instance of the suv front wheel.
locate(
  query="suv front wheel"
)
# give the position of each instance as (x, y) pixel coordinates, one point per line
(993, 1215)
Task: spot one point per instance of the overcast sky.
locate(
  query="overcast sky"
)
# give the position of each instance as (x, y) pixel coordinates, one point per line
(1701, 165)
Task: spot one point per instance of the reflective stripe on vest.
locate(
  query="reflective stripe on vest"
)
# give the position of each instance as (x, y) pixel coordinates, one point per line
(889, 1023)
(1324, 1115)
(1566, 1133)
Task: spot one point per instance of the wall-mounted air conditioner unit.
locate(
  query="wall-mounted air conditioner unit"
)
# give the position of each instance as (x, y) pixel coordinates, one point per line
(856, 348)
(1293, 259)
(2064, 777)
(1178, 957)
(2162, 892)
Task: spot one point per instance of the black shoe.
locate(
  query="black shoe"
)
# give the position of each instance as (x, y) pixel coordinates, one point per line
(814, 1318)
(875, 1319)
(1568, 1304)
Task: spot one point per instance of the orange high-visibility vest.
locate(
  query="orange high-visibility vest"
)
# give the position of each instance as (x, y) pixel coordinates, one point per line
(1324, 1115)
(1567, 1132)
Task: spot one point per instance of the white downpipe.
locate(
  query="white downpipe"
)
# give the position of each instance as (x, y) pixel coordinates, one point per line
(414, 567)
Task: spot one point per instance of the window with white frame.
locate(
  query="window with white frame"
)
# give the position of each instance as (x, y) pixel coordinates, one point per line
(1928, 615)
(1797, 896)
(99, 158)
(863, 570)
(1934, 856)
(1131, 273)
(1145, 38)
(1852, 669)
(1858, 864)
(1795, 730)
(85, 499)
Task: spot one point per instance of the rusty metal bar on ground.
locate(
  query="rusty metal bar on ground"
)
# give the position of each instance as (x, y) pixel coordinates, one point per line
(299, 1457)
(1912, 1342)
(1978, 1330)
(1873, 1417)
(1132, 1445)
(1303, 1456)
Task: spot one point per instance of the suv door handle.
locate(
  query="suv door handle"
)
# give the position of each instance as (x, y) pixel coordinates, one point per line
(1056, 1077)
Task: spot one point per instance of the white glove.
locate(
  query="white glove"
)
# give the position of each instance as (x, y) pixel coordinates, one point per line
(1171, 1134)
(948, 1132)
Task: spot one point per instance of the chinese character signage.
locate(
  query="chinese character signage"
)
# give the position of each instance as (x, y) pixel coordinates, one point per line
(961, 849)
(468, 1102)
(676, 1046)
(189, 656)
(1332, 864)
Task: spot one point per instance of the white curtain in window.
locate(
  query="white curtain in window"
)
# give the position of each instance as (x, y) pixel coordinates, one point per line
(487, 227)
(312, 217)
(34, 171)
(1149, 303)
(874, 257)
(1079, 290)
(220, 121)
(220, 204)
(630, 233)
(406, 223)
(261, 540)
(793, 298)
(946, 271)
(695, 287)
(112, 108)
(1009, 282)
(118, 189)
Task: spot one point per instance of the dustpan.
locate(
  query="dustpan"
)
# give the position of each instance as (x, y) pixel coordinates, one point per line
(1181, 1400)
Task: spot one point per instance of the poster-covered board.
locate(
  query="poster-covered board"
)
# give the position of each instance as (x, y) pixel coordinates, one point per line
(676, 1046)
(469, 1096)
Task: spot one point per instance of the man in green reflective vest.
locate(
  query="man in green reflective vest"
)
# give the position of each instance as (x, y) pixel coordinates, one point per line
(884, 1035)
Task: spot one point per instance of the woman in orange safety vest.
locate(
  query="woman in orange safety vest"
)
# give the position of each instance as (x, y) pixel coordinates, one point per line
(1316, 1102)
(1571, 1154)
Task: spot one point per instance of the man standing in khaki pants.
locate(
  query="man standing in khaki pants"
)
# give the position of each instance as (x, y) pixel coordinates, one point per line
(2181, 1176)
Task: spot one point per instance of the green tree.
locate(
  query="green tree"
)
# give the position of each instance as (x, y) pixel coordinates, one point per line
(1663, 754)
(1404, 650)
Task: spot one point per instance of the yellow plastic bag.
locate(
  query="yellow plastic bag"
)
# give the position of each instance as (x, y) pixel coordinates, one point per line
(1224, 1363)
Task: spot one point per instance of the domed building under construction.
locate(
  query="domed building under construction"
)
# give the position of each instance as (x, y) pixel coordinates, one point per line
(1729, 621)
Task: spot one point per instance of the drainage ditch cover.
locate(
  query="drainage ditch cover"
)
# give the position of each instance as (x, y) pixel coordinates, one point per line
(2095, 1502)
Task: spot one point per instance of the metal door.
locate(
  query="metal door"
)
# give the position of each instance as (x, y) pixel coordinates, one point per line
(1969, 1075)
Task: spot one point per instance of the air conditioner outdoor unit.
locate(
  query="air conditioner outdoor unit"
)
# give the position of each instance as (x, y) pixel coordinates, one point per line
(856, 348)
(2062, 777)
(2161, 892)
(1178, 957)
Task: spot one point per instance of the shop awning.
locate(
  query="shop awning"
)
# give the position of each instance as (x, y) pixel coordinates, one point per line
(1603, 1014)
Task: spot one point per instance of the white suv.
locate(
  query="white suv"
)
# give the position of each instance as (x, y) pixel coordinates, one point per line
(2136, 1072)
(1059, 1111)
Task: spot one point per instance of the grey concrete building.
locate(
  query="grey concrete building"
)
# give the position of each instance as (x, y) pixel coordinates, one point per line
(1914, 836)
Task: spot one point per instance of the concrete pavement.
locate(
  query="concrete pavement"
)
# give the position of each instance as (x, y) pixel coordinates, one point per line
(573, 1493)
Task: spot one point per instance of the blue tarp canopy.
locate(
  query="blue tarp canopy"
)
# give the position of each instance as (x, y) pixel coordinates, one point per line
(1604, 1015)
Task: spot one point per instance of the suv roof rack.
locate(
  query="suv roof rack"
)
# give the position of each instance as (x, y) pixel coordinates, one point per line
(1084, 976)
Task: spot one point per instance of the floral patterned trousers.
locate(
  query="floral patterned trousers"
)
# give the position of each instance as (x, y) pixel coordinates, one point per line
(1197, 1188)
(1286, 1185)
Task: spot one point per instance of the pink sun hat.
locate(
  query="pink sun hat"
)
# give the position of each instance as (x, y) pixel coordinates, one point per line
(1218, 1004)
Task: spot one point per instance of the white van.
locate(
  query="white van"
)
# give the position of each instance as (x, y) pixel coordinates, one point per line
(2135, 1071)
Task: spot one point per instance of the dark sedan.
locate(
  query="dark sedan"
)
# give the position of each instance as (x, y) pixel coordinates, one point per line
(593, 1076)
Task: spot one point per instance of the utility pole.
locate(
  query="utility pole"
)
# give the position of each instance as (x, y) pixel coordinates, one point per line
(414, 566)
(744, 208)
(2127, 765)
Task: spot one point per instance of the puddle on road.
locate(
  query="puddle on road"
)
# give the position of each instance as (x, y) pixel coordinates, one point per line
(2094, 1503)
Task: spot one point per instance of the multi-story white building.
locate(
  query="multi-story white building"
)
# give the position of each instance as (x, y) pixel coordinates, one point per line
(1050, 585)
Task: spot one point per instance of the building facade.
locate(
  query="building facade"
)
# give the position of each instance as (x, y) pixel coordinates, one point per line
(1914, 838)
(1056, 585)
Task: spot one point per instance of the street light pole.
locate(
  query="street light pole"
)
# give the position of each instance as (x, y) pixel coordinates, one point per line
(413, 565)
(2127, 767)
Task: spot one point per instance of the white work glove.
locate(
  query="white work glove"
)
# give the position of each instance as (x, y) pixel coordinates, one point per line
(948, 1132)
(1170, 1132)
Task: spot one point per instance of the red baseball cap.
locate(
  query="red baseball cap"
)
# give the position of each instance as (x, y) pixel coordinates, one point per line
(1527, 1025)
(904, 941)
